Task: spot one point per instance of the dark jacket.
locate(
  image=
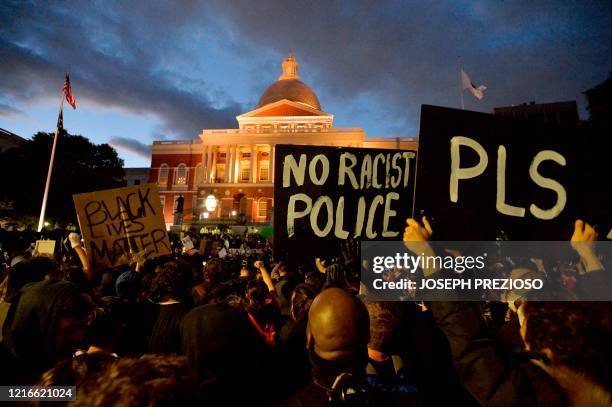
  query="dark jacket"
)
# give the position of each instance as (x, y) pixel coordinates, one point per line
(494, 375)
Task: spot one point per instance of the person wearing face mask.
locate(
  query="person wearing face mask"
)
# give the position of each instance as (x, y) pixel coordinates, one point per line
(337, 337)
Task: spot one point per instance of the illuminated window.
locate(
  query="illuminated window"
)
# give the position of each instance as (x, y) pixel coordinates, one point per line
(163, 174)
(262, 208)
(181, 175)
(245, 171)
(264, 171)
(220, 173)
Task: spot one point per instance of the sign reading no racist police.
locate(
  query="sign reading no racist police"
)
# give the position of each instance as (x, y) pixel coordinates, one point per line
(122, 223)
(323, 195)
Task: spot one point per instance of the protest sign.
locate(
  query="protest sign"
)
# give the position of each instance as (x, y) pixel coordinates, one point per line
(480, 174)
(122, 224)
(45, 248)
(323, 195)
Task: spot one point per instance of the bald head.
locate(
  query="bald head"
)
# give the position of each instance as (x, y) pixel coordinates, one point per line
(338, 324)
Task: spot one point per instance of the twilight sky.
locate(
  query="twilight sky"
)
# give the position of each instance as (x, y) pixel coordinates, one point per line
(149, 70)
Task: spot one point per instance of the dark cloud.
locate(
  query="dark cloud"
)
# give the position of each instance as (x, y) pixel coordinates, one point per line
(383, 58)
(403, 54)
(8, 111)
(133, 146)
(116, 62)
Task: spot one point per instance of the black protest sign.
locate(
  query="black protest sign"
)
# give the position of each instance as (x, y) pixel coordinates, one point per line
(323, 195)
(480, 174)
(121, 225)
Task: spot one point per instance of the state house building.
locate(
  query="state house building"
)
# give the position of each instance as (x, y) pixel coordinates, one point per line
(236, 166)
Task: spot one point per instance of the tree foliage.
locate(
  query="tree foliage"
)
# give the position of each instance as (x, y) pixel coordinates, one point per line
(80, 166)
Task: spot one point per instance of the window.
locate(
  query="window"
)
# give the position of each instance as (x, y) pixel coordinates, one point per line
(162, 201)
(262, 208)
(220, 173)
(264, 170)
(163, 174)
(245, 171)
(181, 175)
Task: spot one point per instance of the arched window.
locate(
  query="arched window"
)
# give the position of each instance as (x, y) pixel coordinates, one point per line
(181, 175)
(163, 174)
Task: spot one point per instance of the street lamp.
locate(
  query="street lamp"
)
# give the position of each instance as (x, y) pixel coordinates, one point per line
(210, 203)
(234, 213)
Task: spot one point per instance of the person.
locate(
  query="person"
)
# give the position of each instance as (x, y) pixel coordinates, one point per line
(46, 323)
(284, 286)
(170, 290)
(151, 380)
(227, 354)
(573, 339)
(386, 370)
(337, 335)
(135, 319)
(495, 375)
(292, 352)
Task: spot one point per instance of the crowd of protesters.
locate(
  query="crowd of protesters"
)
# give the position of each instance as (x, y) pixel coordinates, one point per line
(225, 323)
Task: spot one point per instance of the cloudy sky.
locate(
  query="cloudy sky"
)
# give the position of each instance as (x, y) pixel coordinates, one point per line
(144, 70)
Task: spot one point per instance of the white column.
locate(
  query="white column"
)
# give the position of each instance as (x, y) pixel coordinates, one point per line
(204, 169)
(227, 163)
(253, 163)
(209, 164)
(236, 174)
(271, 163)
(213, 171)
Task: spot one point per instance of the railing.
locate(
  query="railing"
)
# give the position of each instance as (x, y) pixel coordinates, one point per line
(174, 142)
(272, 131)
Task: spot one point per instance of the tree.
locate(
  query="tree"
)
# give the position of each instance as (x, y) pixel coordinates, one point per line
(599, 104)
(80, 166)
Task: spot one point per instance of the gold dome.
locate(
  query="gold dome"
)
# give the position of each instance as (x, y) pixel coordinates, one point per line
(289, 87)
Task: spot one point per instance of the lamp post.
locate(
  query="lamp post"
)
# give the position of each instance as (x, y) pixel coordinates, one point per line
(210, 203)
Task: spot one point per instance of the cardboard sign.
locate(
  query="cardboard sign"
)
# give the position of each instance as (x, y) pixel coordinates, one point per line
(480, 174)
(45, 248)
(122, 224)
(323, 195)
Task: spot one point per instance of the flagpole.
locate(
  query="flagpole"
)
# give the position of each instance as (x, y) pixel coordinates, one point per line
(41, 220)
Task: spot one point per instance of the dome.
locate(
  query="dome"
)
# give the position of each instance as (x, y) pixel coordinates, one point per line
(289, 87)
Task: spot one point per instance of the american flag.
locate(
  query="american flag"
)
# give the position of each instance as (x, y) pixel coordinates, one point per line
(68, 92)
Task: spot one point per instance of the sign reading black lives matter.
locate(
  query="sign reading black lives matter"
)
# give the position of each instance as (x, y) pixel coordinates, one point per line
(323, 195)
(122, 223)
(480, 174)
